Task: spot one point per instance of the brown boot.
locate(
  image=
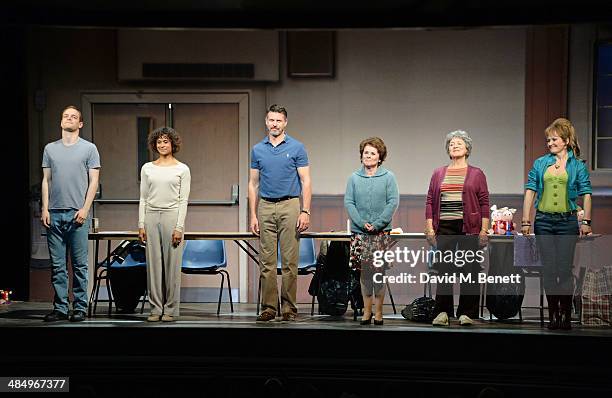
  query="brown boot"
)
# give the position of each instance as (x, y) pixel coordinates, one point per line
(565, 309)
(553, 312)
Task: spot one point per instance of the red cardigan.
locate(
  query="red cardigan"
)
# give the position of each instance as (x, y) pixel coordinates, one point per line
(475, 199)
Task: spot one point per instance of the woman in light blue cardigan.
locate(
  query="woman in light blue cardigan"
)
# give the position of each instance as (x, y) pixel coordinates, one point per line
(371, 199)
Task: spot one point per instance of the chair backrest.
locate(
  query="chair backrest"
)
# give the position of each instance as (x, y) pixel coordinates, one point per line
(308, 257)
(132, 254)
(130, 261)
(202, 254)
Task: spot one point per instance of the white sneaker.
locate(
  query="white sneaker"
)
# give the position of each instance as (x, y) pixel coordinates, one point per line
(465, 320)
(441, 319)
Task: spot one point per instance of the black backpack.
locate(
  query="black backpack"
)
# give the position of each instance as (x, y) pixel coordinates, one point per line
(334, 283)
(420, 310)
(504, 300)
(128, 284)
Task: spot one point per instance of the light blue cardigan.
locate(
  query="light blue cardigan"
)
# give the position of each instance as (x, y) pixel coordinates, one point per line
(371, 200)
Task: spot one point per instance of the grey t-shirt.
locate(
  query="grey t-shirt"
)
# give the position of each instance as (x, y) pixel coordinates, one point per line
(69, 172)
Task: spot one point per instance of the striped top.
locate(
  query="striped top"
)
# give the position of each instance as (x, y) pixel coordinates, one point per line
(451, 202)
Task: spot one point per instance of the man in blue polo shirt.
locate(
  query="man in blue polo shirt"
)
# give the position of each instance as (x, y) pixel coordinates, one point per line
(279, 173)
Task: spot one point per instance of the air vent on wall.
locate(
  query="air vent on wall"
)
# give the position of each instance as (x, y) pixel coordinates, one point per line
(186, 71)
(223, 55)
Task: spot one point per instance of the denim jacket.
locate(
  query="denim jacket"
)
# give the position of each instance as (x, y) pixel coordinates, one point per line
(578, 182)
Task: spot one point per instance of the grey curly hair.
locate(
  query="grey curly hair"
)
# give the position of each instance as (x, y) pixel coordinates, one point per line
(459, 134)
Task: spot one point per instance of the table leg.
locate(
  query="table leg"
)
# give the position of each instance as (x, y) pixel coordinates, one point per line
(245, 246)
(96, 267)
(246, 250)
(258, 295)
(108, 291)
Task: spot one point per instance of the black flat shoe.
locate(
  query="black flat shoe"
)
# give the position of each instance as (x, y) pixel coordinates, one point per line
(565, 323)
(55, 316)
(554, 321)
(77, 316)
(366, 321)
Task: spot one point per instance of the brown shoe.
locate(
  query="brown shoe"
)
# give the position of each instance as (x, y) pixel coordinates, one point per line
(289, 316)
(266, 316)
(153, 318)
(167, 318)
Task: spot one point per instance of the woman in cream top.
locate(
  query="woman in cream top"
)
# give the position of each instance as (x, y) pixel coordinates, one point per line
(164, 192)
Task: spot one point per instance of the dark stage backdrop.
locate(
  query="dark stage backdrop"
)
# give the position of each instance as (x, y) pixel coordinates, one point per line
(15, 229)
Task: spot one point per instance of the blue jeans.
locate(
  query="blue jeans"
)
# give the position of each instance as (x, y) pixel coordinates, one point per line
(556, 237)
(66, 234)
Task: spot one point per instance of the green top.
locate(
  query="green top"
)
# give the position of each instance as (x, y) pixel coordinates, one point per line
(554, 197)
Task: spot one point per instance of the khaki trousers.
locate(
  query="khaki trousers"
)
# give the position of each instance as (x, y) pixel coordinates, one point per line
(163, 262)
(277, 225)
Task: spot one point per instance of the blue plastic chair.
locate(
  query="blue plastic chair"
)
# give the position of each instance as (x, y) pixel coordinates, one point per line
(308, 260)
(307, 264)
(128, 261)
(207, 257)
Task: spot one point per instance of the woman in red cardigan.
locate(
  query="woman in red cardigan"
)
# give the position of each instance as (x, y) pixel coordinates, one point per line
(457, 219)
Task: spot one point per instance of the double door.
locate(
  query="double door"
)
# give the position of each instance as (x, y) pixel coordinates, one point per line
(211, 139)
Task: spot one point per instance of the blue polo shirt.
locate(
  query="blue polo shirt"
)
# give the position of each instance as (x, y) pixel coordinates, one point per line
(278, 166)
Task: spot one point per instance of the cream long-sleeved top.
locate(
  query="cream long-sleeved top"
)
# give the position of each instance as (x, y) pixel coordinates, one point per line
(164, 188)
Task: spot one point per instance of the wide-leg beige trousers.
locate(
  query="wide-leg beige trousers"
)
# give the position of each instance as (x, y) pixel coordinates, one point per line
(163, 262)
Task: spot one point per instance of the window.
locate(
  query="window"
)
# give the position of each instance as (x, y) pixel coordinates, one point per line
(602, 148)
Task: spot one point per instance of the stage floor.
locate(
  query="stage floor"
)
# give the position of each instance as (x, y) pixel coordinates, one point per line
(232, 355)
(30, 314)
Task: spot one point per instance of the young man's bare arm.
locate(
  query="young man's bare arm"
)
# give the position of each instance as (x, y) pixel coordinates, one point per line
(81, 214)
(44, 193)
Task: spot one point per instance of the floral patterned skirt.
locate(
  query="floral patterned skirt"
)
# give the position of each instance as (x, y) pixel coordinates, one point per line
(363, 248)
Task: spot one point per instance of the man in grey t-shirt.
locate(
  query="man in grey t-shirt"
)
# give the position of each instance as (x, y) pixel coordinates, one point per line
(71, 168)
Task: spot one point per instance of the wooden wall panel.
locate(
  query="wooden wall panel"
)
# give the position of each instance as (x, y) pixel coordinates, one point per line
(328, 212)
(546, 81)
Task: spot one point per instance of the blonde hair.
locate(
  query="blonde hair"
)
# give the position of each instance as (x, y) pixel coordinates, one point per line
(566, 131)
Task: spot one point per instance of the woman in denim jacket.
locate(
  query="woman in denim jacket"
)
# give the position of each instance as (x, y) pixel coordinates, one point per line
(555, 181)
